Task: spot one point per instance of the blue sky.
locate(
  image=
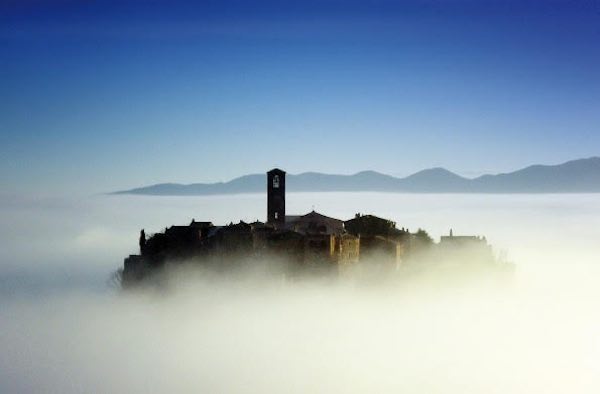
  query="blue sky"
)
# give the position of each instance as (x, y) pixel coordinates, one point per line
(98, 96)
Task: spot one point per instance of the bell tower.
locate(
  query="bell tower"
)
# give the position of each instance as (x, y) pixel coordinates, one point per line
(276, 196)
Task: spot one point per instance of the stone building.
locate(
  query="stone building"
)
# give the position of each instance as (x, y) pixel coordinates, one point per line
(380, 240)
(314, 223)
(310, 240)
(465, 248)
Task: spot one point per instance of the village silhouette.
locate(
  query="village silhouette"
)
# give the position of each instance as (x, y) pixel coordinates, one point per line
(312, 242)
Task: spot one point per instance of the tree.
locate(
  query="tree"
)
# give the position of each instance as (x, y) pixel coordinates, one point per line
(422, 236)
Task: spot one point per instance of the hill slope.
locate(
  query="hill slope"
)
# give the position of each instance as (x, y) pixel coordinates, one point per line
(577, 176)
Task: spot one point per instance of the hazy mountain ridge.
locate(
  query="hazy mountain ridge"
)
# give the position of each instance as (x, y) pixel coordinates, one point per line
(577, 176)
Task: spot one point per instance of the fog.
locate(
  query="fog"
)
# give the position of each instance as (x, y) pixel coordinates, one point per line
(64, 329)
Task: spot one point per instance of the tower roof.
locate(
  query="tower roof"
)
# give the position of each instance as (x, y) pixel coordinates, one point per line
(276, 171)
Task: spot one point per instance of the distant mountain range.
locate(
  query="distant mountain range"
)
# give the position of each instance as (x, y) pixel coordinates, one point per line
(577, 176)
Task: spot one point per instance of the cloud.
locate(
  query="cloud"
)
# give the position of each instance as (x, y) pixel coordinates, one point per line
(248, 333)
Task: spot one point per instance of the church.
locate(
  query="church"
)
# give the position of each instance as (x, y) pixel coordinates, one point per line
(310, 240)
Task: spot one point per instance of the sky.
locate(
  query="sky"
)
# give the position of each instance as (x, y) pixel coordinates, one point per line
(97, 96)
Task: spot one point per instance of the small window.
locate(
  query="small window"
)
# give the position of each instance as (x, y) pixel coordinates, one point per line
(276, 215)
(276, 182)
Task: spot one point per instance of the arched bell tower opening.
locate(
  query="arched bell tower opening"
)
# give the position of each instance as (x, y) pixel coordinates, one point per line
(276, 197)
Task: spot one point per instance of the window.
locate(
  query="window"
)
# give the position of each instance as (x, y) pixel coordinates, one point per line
(276, 215)
(276, 182)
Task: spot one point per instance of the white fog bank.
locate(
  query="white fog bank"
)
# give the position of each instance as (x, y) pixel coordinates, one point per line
(62, 330)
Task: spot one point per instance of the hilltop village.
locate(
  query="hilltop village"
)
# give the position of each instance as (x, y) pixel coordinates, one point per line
(302, 242)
